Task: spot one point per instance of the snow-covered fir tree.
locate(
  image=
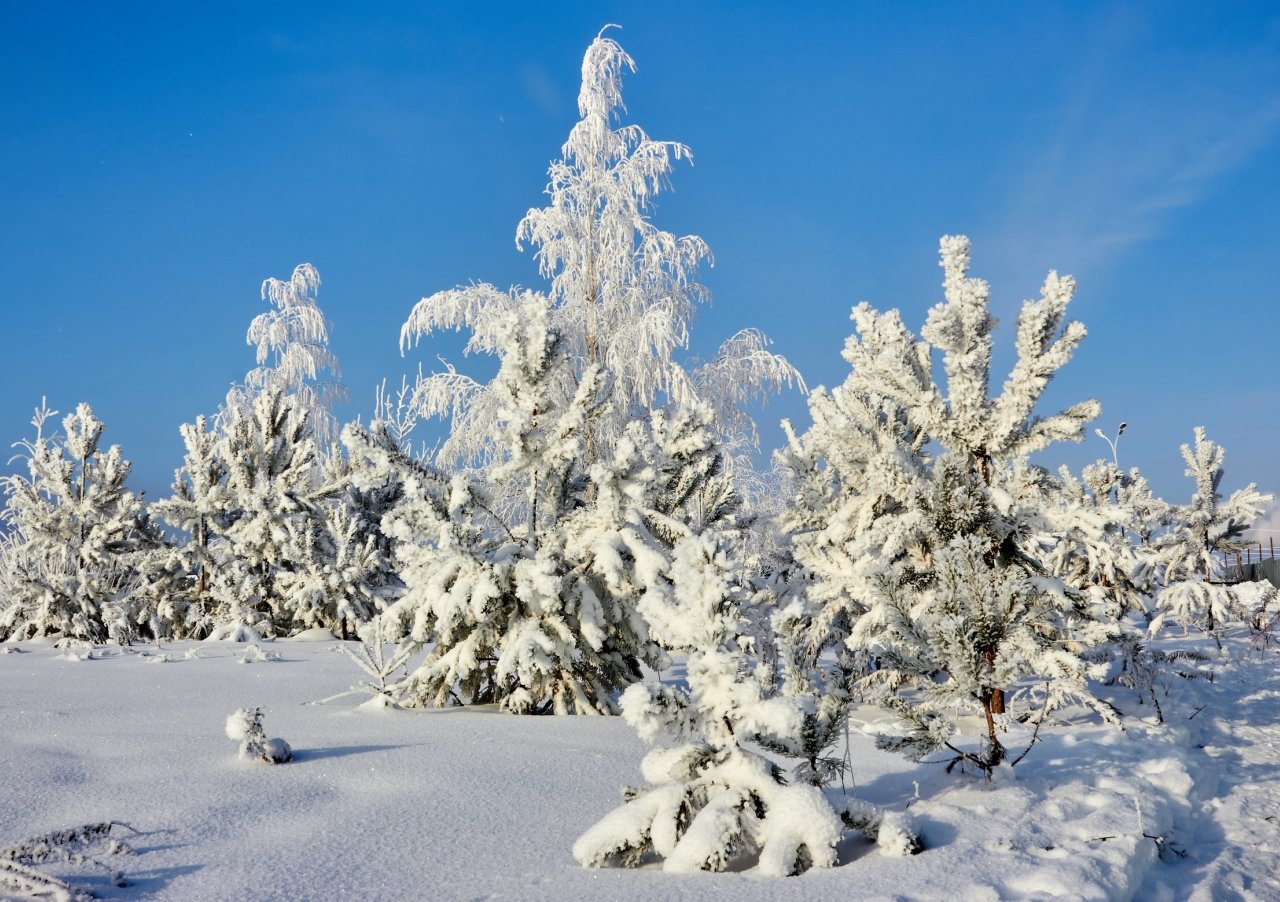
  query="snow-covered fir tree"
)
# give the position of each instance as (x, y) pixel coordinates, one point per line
(345, 577)
(78, 540)
(936, 526)
(623, 292)
(1189, 554)
(199, 508)
(524, 585)
(713, 797)
(272, 467)
(277, 538)
(291, 342)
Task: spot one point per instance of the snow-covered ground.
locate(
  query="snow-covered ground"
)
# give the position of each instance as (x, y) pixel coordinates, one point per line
(472, 804)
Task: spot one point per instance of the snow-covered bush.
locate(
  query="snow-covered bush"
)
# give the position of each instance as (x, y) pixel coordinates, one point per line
(245, 727)
(75, 554)
(712, 798)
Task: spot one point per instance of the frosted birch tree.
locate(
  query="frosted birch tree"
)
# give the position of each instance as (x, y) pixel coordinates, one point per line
(291, 344)
(623, 291)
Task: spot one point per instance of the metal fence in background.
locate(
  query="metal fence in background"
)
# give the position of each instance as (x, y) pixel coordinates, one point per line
(1252, 564)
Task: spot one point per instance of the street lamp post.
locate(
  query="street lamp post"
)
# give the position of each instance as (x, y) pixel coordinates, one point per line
(1115, 459)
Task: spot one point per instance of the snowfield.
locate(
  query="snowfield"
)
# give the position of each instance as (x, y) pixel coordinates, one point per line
(474, 804)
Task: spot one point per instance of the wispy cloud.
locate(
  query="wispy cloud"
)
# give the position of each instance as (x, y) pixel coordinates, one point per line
(1138, 133)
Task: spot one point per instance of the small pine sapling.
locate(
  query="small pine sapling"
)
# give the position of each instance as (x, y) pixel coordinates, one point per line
(384, 662)
(245, 727)
(822, 694)
(1264, 617)
(713, 799)
(1193, 591)
(895, 833)
(77, 537)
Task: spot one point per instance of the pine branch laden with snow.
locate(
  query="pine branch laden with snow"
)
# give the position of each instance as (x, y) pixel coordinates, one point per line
(1189, 556)
(927, 545)
(77, 554)
(623, 292)
(712, 799)
(291, 345)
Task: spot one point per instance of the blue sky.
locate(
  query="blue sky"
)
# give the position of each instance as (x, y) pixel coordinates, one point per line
(157, 163)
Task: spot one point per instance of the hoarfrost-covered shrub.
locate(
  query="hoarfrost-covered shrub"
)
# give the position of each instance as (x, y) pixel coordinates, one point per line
(245, 727)
(80, 846)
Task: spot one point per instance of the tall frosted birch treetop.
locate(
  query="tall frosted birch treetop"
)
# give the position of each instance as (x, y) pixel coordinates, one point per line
(624, 292)
(291, 343)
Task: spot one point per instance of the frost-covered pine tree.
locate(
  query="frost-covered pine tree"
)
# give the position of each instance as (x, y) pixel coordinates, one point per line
(342, 578)
(851, 476)
(940, 521)
(1188, 554)
(487, 585)
(713, 798)
(265, 518)
(199, 508)
(1099, 521)
(78, 538)
(524, 583)
(623, 292)
(272, 465)
(1103, 522)
(291, 342)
